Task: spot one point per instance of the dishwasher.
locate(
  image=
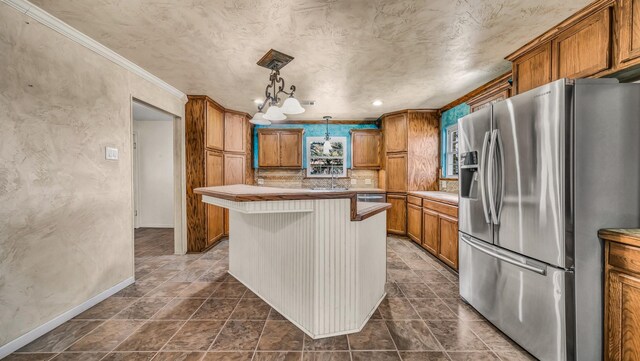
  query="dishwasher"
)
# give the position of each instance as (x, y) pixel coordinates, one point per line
(372, 197)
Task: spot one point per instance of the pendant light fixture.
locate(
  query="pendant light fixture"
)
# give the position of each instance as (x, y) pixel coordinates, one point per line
(326, 147)
(259, 119)
(275, 60)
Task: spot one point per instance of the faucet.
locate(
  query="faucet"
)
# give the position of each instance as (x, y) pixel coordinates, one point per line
(333, 186)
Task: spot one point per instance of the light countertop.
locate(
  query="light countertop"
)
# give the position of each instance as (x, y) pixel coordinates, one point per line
(249, 193)
(630, 236)
(437, 195)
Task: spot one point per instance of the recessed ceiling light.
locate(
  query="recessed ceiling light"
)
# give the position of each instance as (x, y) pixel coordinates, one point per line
(377, 103)
(258, 101)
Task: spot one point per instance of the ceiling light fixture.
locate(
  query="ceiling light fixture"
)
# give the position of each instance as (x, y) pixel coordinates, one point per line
(377, 103)
(275, 60)
(259, 119)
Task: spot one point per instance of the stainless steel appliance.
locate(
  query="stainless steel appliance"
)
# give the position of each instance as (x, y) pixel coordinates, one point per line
(540, 173)
(372, 197)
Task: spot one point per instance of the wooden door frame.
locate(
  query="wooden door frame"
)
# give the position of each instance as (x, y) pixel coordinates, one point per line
(179, 178)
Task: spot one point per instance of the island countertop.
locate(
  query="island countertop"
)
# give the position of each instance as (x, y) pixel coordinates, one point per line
(249, 193)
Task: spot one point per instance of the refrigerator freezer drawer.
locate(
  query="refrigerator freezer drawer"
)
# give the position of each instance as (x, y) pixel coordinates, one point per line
(529, 301)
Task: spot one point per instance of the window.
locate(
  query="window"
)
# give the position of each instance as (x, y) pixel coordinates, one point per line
(452, 151)
(324, 165)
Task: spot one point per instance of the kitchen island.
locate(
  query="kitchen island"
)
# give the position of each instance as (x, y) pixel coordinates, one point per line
(316, 256)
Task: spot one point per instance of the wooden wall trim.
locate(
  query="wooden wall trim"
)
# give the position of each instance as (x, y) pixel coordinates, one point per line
(548, 35)
(407, 111)
(333, 121)
(244, 114)
(497, 85)
(477, 92)
(205, 97)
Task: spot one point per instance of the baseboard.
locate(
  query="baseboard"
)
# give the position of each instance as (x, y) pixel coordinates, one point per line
(30, 336)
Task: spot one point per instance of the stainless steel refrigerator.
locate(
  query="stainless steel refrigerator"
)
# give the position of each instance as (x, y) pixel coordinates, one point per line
(540, 173)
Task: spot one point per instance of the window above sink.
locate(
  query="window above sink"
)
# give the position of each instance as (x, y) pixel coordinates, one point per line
(323, 164)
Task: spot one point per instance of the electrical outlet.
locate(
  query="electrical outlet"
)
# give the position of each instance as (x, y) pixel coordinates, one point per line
(367, 181)
(260, 181)
(354, 181)
(111, 153)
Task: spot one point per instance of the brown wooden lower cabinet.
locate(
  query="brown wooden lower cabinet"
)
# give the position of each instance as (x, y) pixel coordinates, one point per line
(215, 215)
(430, 231)
(215, 224)
(226, 222)
(440, 231)
(397, 214)
(414, 222)
(448, 252)
(622, 300)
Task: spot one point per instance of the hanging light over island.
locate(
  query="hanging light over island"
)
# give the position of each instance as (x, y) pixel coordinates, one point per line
(275, 60)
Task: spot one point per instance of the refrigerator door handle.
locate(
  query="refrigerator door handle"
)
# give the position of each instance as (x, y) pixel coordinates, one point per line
(483, 173)
(504, 258)
(490, 169)
(501, 189)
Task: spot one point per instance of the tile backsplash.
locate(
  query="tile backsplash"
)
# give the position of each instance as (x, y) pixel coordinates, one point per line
(296, 178)
(450, 186)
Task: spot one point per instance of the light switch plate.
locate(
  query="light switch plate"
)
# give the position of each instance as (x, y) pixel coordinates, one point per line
(367, 181)
(111, 153)
(354, 181)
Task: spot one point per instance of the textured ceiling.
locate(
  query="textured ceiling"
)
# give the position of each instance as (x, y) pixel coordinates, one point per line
(407, 53)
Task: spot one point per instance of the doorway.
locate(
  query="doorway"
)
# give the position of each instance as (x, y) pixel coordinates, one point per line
(153, 180)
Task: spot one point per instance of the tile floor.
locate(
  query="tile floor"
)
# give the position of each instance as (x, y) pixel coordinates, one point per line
(188, 308)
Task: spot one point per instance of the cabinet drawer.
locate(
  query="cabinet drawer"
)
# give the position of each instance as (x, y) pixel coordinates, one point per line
(440, 208)
(414, 200)
(624, 257)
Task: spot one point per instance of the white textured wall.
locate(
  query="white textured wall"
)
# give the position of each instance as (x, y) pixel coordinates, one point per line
(155, 172)
(65, 212)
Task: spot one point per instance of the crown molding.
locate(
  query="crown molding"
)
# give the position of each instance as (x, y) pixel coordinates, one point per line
(71, 33)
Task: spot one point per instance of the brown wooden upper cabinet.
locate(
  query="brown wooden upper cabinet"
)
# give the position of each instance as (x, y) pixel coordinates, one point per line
(494, 91)
(583, 49)
(365, 148)
(602, 39)
(532, 69)
(235, 130)
(395, 133)
(215, 126)
(628, 15)
(396, 173)
(280, 148)
(234, 168)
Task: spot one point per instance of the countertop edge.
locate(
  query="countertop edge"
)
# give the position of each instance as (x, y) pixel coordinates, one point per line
(289, 196)
(432, 198)
(300, 195)
(371, 211)
(629, 236)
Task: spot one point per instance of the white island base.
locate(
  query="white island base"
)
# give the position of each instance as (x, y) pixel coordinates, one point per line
(309, 260)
